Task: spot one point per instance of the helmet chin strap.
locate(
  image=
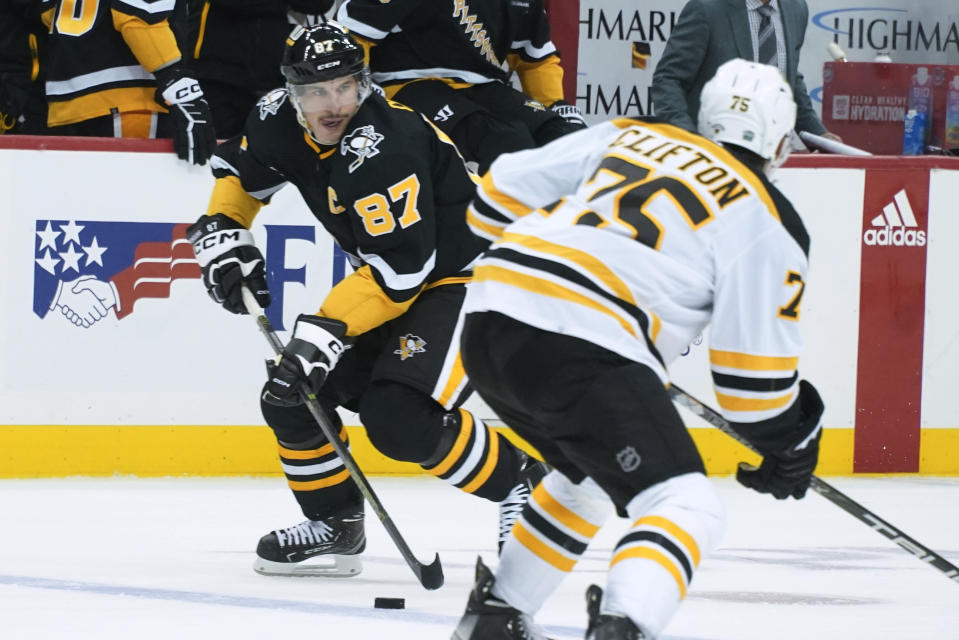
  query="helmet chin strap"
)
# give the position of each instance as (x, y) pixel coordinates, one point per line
(782, 152)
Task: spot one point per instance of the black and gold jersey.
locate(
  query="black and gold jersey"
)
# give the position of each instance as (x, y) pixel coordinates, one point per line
(393, 194)
(462, 41)
(22, 42)
(102, 53)
(635, 236)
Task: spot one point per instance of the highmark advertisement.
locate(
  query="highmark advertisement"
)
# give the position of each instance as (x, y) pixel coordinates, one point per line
(621, 42)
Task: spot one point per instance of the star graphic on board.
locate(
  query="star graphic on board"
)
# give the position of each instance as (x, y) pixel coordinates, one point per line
(71, 258)
(48, 262)
(94, 252)
(48, 238)
(71, 232)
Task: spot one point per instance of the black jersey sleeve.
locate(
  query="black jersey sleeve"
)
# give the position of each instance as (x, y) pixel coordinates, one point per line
(372, 19)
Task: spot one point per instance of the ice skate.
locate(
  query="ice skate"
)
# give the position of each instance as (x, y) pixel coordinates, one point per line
(489, 618)
(317, 548)
(530, 474)
(603, 626)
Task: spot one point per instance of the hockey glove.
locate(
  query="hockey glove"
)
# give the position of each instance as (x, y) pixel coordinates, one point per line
(194, 138)
(568, 112)
(228, 259)
(787, 472)
(311, 354)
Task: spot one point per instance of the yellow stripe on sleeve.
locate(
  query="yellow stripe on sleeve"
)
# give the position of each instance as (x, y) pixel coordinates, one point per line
(737, 403)
(752, 363)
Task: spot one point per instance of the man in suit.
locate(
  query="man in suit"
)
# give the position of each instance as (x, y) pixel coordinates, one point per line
(711, 32)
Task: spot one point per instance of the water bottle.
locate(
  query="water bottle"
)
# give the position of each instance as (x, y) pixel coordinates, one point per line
(914, 133)
(952, 115)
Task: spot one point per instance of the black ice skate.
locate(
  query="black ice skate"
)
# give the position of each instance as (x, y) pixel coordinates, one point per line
(489, 618)
(325, 548)
(530, 473)
(604, 626)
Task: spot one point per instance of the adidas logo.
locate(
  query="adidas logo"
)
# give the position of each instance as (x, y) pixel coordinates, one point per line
(896, 226)
(443, 114)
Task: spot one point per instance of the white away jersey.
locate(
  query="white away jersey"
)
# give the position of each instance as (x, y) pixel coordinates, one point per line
(635, 235)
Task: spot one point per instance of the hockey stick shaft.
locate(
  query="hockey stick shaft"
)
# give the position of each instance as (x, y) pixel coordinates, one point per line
(429, 575)
(826, 490)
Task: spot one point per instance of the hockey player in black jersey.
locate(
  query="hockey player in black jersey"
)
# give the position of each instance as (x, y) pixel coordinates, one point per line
(653, 234)
(448, 58)
(392, 191)
(115, 69)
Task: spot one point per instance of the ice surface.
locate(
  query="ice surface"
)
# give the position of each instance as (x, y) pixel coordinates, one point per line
(171, 558)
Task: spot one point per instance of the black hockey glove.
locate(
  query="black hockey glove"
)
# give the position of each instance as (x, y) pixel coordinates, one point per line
(786, 472)
(194, 138)
(311, 354)
(228, 258)
(568, 112)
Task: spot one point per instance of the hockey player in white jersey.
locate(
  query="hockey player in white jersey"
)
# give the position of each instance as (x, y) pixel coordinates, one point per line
(613, 249)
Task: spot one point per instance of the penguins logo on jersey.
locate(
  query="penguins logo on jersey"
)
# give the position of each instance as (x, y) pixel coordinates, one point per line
(361, 142)
(628, 459)
(271, 103)
(410, 345)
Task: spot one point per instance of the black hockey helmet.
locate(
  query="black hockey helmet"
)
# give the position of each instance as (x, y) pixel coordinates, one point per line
(322, 52)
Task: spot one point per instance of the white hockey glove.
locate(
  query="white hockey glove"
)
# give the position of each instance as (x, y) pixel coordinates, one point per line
(228, 259)
(569, 113)
(789, 458)
(310, 356)
(194, 138)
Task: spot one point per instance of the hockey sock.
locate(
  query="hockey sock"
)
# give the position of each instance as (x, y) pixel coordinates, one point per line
(548, 539)
(473, 458)
(674, 524)
(320, 482)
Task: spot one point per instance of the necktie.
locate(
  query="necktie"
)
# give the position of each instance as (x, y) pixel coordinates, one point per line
(767, 53)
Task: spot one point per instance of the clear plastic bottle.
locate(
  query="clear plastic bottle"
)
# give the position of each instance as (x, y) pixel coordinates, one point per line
(920, 100)
(952, 115)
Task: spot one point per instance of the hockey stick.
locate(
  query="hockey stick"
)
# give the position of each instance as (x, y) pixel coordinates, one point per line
(429, 575)
(826, 490)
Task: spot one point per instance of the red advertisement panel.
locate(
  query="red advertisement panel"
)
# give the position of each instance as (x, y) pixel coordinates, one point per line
(891, 317)
(564, 32)
(865, 102)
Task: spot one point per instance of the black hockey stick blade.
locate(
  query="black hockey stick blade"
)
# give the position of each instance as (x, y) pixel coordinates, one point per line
(431, 575)
(826, 490)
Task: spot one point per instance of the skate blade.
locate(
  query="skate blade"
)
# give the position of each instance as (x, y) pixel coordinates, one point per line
(331, 566)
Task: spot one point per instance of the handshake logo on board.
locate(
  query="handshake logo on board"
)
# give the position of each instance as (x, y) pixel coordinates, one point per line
(896, 226)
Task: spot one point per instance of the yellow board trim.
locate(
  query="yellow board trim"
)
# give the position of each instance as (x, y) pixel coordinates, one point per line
(57, 451)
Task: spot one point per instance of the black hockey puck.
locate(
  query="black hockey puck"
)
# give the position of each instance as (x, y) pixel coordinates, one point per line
(389, 603)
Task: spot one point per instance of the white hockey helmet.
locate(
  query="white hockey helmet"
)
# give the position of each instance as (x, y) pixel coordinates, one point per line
(749, 105)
